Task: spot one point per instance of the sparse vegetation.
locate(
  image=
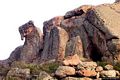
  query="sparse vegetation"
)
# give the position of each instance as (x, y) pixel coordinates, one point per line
(103, 64)
(117, 66)
(11, 78)
(50, 67)
(19, 64)
(36, 68)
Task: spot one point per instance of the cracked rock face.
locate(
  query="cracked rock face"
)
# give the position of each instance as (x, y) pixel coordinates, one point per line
(105, 18)
(91, 32)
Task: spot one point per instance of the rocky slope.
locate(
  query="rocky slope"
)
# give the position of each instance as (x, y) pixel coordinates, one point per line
(87, 33)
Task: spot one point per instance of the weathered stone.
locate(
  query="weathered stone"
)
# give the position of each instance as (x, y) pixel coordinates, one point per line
(33, 42)
(108, 73)
(64, 71)
(99, 68)
(108, 67)
(55, 39)
(16, 72)
(87, 65)
(72, 60)
(44, 76)
(15, 55)
(87, 73)
(108, 30)
(78, 11)
(63, 38)
(91, 32)
(74, 46)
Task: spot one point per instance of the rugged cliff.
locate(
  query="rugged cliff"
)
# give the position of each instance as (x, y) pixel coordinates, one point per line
(91, 32)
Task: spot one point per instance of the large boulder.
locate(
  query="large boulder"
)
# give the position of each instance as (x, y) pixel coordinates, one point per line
(72, 60)
(64, 71)
(108, 73)
(87, 66)
(108, 67)
(20, 73)
(99, 68)
(44, 76)
(87, 73)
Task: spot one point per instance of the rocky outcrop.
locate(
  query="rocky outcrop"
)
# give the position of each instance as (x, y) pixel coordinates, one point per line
(32, 48)
(55, 39)
(33, 42)
(86, 70)
(78, 40)
(88, 31)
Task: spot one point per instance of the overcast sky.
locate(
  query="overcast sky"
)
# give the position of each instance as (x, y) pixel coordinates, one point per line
(14, 13)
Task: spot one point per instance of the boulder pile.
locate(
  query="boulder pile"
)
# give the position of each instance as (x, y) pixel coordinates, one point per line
(87, 70)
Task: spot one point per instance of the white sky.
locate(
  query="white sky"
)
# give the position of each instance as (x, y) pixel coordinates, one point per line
(14, 13)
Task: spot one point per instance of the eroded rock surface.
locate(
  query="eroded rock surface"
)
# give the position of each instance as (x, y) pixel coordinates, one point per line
(33, 42)
(90, 32)
(71, 60)
(63, 71)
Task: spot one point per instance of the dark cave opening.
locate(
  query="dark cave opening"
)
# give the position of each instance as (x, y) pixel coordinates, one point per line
(96, 55)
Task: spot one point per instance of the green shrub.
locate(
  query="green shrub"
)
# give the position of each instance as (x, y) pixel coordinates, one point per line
(34, 68)
(50, 67)
(103, 64)
(19, 64)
